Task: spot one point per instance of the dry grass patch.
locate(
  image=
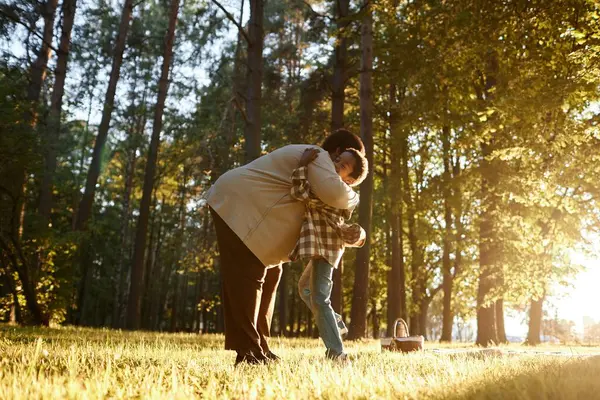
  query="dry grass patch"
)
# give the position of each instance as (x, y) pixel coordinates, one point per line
(89, 364)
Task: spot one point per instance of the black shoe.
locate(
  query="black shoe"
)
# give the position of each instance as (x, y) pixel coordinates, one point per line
(272, 357)
(250, 358)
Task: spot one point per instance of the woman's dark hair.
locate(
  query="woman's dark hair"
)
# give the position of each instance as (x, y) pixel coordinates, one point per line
(343, 139)
(361, 170)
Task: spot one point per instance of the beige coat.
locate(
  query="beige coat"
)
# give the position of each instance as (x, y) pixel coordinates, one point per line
(254, 200)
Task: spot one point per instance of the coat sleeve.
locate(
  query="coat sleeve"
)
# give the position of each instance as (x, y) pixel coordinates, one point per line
(327, 185)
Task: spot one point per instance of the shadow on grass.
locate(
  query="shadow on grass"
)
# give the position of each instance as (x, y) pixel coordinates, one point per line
(555, 378)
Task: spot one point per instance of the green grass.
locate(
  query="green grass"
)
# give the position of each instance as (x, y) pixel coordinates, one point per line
(86, 363)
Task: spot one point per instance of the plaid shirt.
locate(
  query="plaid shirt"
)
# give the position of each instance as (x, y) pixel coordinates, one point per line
(324, 232)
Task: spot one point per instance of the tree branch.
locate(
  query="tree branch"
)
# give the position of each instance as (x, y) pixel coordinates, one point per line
(10, 253)
(15, 203)
(435, 290)
(232, 19)
(312, 10)
(360, 10)
(237, 105)
(13, 17)
(20, 254)
(241, 95)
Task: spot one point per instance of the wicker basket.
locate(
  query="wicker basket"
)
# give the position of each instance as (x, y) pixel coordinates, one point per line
(402, 341)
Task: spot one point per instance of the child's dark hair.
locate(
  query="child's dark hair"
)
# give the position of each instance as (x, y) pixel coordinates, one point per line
(342, 139)
(361, 170)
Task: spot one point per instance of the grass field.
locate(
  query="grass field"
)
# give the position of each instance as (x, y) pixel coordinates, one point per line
(89, 364)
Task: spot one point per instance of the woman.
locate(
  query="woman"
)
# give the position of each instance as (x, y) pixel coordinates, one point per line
(258, 224)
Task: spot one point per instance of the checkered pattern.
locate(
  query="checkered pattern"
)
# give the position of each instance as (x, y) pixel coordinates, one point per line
(324, 232)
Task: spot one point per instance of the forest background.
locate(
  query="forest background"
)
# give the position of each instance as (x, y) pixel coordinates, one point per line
(480, 120)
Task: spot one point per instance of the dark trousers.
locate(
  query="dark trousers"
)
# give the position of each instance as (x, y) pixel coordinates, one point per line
(249, 290)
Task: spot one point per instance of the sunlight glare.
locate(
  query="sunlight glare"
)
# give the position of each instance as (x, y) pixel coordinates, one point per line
(583, 298)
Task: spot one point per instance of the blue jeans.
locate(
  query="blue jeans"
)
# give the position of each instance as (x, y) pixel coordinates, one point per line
(315, 290)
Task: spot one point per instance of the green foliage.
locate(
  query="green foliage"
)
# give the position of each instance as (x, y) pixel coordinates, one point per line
(522, 78)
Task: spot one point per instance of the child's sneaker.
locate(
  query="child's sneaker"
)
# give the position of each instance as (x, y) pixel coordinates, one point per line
(340, 324)
(341, 358)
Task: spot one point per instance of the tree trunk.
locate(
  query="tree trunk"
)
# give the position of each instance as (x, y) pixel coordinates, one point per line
(85, 205)
(175, 303)
(457, 195)
(360, 298)
(535, 322)
(199, 296)
(149, 257)
(122, 269)
(301, 311)
(397, 280)
(397, 295)
(412, 235)
(163, 293)
(447, 314)
(82, 309)
(205, 322)
(15, 316)
(197, 299)
(415, 265)
(229, 127)
(283, 299)
(175, 309)
(155, 313)
(52, 134)
(220, 321)
(137, 271)
(338, 88)
(254, 81)
(486, 321)
(37, 76)
(184, 297)
(39, 318)
(488, 241)
(84, 144)
(293, 311)
(500, 328)
(315, 330)
(423, 309)
(375, 319)
(40, 65)
(152, 284)
(340, 51)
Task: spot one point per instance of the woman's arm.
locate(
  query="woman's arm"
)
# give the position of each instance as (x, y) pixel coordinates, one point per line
(327, 185)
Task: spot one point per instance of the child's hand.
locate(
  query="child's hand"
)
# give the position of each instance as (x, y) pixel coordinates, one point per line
(308, 156)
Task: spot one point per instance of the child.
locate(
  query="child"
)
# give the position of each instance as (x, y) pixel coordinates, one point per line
(323, 236)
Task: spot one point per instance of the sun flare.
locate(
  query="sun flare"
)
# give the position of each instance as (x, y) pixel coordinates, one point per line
(582, 299)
